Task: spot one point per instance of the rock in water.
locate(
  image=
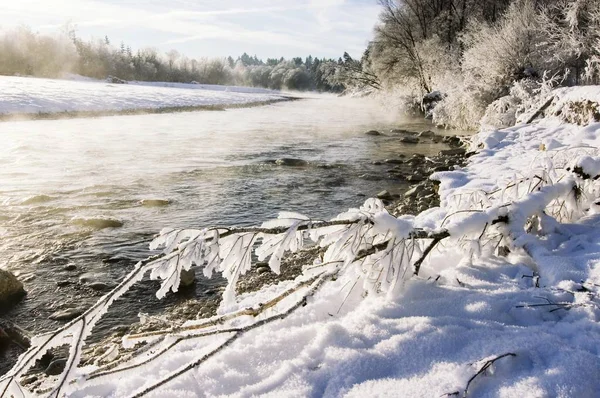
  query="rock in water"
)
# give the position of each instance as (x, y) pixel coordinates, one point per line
(384, 195)
(402, 131)
(154, 202)
(453, 152)
(427, 134)
(11, 289)
(291, 162)
(411, 192)
(373, 133)
(66, 315)
(97, 223)
(56, 367)
(409, 140)
(98, 286)
(187, 278)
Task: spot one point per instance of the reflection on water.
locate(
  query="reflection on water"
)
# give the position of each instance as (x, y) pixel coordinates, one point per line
(85, 195)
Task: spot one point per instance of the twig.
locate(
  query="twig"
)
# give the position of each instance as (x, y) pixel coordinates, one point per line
(426, 252)
(541, 109)
(485, 367)
(205, 357)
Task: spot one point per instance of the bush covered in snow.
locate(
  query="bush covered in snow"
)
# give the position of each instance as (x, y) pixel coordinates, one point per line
(480, 54)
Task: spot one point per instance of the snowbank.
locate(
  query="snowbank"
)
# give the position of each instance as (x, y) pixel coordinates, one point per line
(26, 95)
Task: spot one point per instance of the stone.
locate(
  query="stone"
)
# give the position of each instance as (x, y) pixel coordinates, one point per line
(371, 177)
(402, 131)
(91, 277)
(440, 168)
(503, 251)
(409, 140)
(398, 176)
(97, 223)
(453, 152)
(70, 267)
(427, 134)
(452, 140)
(63, 283)
(99, 286)
(66, 315)
(411, 192)
(291, 162)
(155, 202)
(373, 133)
(28, 380)
(394, 161)
(263, 270)
(415, 178)
(376, 163)
(119, 330)
(11, 289)
(187, 278)
(56, 367)
(384, 195)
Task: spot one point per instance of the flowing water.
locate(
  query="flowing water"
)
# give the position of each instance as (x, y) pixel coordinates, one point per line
(80, 199)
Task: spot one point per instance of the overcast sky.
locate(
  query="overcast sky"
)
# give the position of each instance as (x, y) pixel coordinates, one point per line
(197, 28)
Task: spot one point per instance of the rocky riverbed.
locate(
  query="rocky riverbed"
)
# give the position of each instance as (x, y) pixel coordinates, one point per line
(420, 194)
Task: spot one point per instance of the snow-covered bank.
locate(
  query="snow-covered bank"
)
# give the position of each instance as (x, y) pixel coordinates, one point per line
(25, 95)
(505, 305)
(468, 306)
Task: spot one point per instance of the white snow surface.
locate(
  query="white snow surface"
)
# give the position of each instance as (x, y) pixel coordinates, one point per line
(26, 95)
(466, 307)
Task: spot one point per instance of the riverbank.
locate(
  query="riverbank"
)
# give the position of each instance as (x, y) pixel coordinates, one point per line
(506, 305)
(415, 169)
(28, 98)
(58, 115)
(78, 210)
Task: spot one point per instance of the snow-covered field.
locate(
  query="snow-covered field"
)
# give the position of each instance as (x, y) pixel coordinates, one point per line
(507, 305)
(28, 95)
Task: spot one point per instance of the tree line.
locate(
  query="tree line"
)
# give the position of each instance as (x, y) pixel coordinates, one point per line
(24, 52)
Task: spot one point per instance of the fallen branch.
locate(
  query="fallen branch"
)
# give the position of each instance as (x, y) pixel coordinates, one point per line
(238, 332)
(426, 252)
(540, 110)
(482, 370)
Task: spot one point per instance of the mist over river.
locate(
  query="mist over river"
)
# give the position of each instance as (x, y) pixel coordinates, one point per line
(80, 199)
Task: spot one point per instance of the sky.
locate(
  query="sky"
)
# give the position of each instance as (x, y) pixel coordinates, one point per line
(208, 28)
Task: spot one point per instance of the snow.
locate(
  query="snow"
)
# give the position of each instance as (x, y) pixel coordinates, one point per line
(537, 306)
(26, 95)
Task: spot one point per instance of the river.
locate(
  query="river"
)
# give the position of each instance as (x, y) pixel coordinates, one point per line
(61, 180)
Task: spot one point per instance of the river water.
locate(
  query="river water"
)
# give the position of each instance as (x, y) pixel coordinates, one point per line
(60, 181)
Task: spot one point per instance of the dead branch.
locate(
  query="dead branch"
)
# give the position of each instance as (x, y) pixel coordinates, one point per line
(540, 110)
(429, 248)
(485, 367)
(318, 283)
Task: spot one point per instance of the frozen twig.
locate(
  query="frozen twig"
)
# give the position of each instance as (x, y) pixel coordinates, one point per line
(482, 370)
